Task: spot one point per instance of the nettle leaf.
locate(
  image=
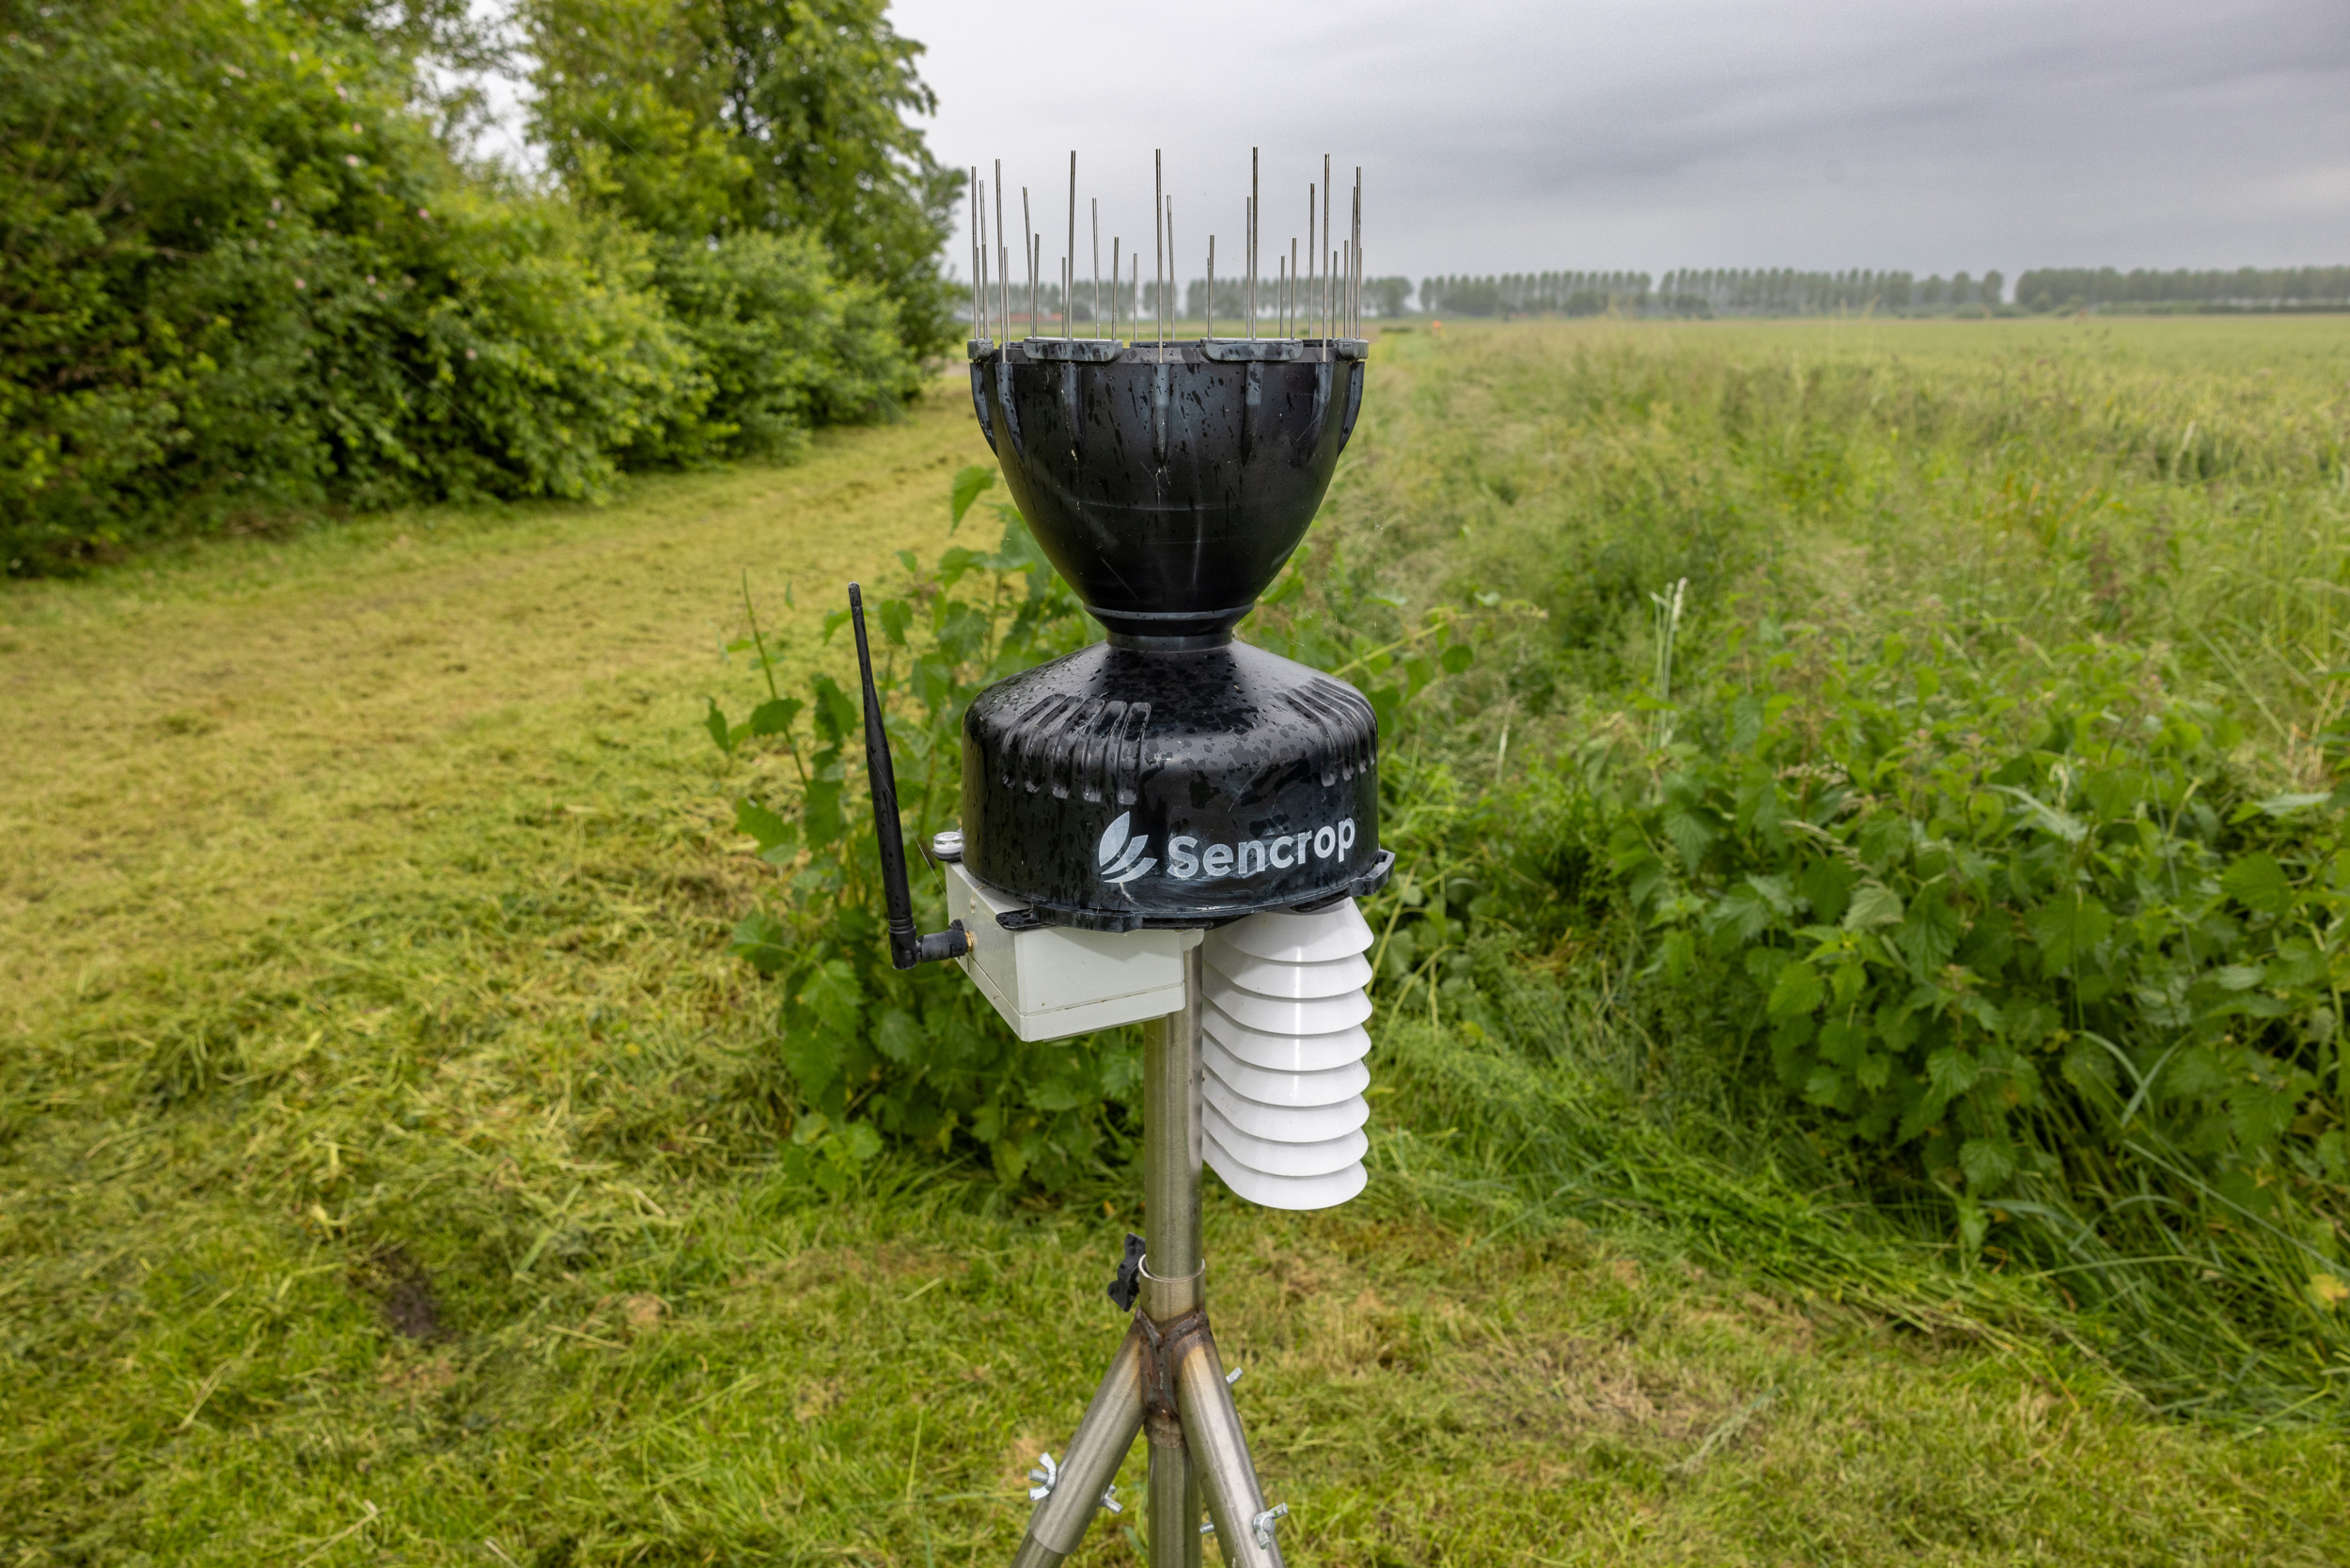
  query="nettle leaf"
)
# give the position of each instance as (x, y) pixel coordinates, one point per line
(1872, 904)
(971, 481)
(833, 995)
(933, 681)
(836, 715)
(895, 615)
(1951, 1072)
(1988, 1162)
(1458, 658)
(1689, 833)
(858, 1143)
(813, 1054)
(774, 716)
(1797, 990)
(898, 1036)
(761, 940)
(1750, 908)
(1826, 885)
(762, 824)
(2258, 881)
(1928, 933)
(2238, 977)
(2066, 928)
(821, 812)
(2062, 824)
(716, 722)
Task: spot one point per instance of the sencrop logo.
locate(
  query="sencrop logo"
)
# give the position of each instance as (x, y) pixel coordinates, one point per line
(1119, 856)
(1121, 860)
(1185, 859)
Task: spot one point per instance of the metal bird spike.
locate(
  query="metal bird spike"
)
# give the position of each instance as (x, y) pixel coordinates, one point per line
(1329, 238)
(1355, 290)
(1252, 242)
(1115, 301)
(1028, 254)
(1248, 266)
(1068, 314)
(1170, 261)
(1003, 257)
(1211, 332)
(1096, 202)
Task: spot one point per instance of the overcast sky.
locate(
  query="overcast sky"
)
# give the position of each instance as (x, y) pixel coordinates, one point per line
(1516, 135)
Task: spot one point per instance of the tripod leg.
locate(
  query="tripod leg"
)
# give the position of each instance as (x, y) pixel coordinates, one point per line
(1174, 1507)
(1104, 1435)
(1219, 1454)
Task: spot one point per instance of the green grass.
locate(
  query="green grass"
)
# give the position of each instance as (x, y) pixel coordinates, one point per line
(380, 1179)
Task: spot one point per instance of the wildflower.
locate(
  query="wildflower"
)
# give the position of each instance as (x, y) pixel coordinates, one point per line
(351, 158)
(469, 354)
(299, 284)
(425, 213)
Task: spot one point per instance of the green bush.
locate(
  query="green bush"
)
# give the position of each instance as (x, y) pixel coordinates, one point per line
(240, 270)
(2003, 920)
(860, 1049)
(785, 345)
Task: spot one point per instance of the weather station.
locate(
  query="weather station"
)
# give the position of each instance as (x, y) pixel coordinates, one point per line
(1170, 827)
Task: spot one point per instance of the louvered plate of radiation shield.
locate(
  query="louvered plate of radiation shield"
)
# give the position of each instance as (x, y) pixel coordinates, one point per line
(1114, 789)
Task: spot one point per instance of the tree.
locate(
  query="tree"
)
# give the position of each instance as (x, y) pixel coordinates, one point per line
(699, 118)
(1387, 295)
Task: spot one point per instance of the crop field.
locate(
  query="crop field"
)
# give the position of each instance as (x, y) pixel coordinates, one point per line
(396, 1168)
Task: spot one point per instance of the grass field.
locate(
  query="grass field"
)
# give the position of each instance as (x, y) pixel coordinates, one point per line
(372, 1187)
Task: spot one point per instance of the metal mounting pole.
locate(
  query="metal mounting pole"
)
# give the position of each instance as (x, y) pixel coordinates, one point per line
(1167, 1380)
(1172, 1272)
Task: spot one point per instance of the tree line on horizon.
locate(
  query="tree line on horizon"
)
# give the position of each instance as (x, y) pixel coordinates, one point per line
(1790, 291)
(2242, 288)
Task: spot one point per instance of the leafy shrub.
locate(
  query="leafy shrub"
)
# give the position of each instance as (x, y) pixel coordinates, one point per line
(240, 270)
(917, 1054)
(784, 344)
(2001, 955)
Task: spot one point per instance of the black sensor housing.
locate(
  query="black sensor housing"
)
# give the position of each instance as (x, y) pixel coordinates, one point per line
(1171, 775)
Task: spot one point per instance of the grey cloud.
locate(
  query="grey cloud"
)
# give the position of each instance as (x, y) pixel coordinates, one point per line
(1499, 135)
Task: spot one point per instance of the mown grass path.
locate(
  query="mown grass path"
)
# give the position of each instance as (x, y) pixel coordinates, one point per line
(198, 744)
(383, 1176)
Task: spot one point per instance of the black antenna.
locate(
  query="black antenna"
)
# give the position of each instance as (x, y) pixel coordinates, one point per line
(906, 946)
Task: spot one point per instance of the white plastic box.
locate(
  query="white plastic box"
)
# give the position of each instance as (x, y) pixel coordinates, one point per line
(1049, 981)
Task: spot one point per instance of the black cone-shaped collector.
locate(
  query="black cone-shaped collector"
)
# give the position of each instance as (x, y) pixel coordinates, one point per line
(1168, 485)
(1170, 776)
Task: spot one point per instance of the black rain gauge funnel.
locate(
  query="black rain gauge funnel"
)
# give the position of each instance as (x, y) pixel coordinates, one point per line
(1171, 826)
